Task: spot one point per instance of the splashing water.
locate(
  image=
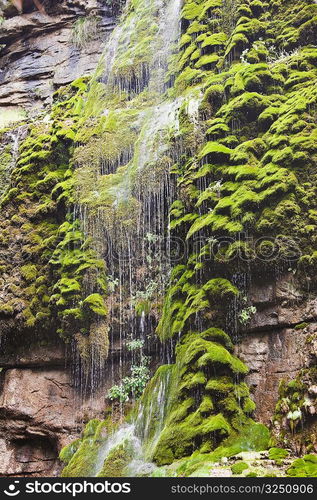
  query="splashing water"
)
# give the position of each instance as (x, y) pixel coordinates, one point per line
(141, 436)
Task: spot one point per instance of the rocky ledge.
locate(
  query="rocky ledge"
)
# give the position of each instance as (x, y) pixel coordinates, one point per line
(40, 411)
(41, 51)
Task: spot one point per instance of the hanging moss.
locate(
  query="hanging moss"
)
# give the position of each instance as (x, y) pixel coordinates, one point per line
(212, 418)
(53, 258)
(117, 461)
(304, 467)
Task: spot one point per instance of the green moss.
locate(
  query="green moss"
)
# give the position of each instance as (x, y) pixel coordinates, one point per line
(44, 168)
(82, 464)
(238, 468)
(67, 286)
(207, 61)
(215, 152)
(81, 455)
(29, 272)
(117, 461)
(186, 421)
(184, 300)
(253, 438)
(278, 455)
(303, 467)
(67, 453)
(96, 303)
(6, 309)
(91, 428)
(301, 326)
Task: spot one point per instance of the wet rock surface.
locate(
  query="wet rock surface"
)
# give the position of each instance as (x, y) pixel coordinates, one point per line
(40, 412)
(275, 344)
(39, 51)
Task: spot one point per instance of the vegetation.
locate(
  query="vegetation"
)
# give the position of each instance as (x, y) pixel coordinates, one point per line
(211, 143)
(85, 30)
(133, 385)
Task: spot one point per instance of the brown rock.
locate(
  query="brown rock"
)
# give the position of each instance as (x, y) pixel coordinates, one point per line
(39, 55)
(40, 412)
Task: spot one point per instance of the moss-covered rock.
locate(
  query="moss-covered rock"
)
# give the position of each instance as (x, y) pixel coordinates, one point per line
(117, 461)
(304, 467)
(278, 455)
(81, 455)
(53, 259)
(238, 468)
(202, 422)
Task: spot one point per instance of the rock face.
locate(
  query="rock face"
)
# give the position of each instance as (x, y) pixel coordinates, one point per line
(275, 345)
(39, 411)
(43, 51)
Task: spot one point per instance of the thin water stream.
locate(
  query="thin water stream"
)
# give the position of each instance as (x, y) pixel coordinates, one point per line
(134, 240)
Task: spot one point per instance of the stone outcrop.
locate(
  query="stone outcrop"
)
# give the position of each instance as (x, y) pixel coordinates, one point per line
(276, 344)
(40, 411)
(40, 52)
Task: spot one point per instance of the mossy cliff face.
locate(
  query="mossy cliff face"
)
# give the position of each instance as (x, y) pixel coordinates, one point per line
(55, 282)
(246, 184)
(254, 172)
(221, 148)
(207, 401)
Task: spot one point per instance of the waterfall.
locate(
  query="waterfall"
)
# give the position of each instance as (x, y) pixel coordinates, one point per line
(141, 434)
(9, 155)
(124, 203)
(160, 159)
(124, 195)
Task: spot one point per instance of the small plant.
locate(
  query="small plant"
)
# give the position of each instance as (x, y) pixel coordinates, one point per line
(84, 31)
(277, 55)
(151, 238)
(140, 375)
(118, 392)
(243, 57)
(133, 345)
(132, 387)
(143, 298)
(112, 283)
(294, 418)
(294, 415)
(246, 314)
